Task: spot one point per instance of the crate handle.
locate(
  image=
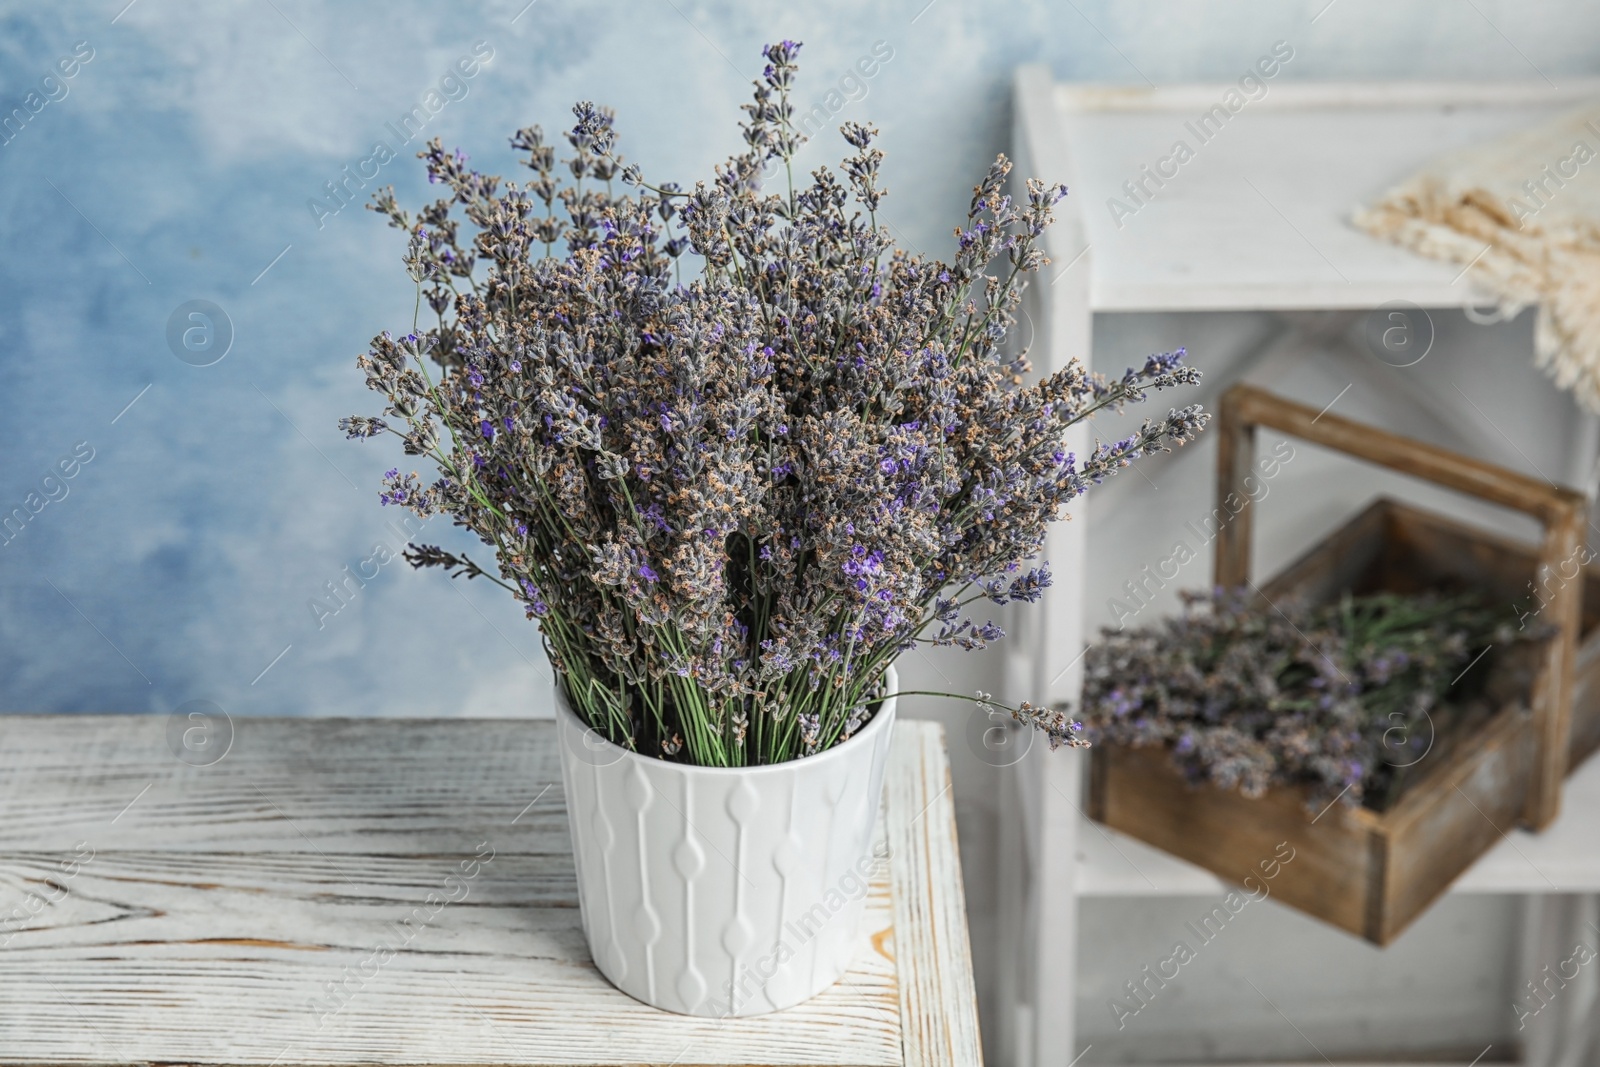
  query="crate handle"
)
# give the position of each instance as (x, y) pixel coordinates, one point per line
(1560, 511)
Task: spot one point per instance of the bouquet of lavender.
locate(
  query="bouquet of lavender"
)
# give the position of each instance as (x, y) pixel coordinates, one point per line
(1342, 699)
(731, 494)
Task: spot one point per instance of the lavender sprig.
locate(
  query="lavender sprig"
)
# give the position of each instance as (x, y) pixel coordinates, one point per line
(1341, 699)
(730, 498)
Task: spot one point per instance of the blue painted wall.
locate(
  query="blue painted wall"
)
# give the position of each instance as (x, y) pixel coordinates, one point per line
(182, 560)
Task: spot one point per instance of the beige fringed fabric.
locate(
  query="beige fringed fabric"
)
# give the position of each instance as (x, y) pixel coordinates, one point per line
(1524, 211)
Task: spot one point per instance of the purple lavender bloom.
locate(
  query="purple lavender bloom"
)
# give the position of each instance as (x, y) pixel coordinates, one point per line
(1250, 695)
(803, 429)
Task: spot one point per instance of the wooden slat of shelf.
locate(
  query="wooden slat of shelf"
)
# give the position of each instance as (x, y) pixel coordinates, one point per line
(1302, 95)
(1258, 218)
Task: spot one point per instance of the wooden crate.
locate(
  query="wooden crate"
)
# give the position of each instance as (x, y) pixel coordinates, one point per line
(1367, 872)
(1584, 732)
(1395, 547)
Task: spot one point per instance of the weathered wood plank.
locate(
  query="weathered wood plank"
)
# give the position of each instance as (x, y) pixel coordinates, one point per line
(939, 1014)
(341, 785)
(386, 892)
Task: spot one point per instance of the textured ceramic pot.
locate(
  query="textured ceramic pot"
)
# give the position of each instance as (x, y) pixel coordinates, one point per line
(722, 891)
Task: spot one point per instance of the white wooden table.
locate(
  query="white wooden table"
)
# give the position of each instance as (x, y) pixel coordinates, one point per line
(1256, 219)
(338, 891)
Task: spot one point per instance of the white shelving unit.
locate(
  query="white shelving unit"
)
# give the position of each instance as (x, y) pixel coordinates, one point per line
(1256, 218)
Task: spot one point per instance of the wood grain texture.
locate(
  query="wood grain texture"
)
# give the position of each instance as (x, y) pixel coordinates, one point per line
(386, 892)
(938, 1013)
(1368, 873)
(1584, 730)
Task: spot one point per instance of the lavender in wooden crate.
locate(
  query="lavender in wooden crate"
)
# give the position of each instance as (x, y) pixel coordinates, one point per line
(1343, 698)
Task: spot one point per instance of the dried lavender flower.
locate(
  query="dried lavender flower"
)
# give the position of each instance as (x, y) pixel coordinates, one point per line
(1340, 698)
(730, 500)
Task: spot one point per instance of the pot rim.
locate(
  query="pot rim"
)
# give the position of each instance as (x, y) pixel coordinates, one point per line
(877, 725)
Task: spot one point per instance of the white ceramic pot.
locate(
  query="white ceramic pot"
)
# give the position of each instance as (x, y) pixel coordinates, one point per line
(722, 891)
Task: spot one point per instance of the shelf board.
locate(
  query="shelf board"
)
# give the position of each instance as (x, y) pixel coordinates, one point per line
(1259, 217)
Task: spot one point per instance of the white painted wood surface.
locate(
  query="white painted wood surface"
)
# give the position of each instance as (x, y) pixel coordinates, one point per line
(932, 955)
(395, 892)
(1038, 812)
(1258, 219)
